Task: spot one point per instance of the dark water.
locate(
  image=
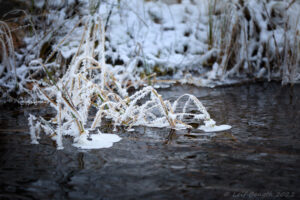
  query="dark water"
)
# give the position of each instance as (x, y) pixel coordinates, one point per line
(257, 159)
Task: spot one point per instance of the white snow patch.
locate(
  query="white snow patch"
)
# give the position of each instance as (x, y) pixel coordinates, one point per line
(215, 128)
(96, 141)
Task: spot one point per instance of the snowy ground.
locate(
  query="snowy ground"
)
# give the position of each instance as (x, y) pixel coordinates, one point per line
(215, 41)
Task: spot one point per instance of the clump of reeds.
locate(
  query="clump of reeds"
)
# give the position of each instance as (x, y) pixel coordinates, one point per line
(15, 82)
(89, 82)
(256, 39)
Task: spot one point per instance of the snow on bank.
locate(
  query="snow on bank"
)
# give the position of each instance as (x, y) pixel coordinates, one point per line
(219, 41)
(155, 35)
(215, 41)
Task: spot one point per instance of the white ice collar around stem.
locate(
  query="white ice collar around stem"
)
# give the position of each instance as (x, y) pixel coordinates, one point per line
(96, 141)
(210, 126)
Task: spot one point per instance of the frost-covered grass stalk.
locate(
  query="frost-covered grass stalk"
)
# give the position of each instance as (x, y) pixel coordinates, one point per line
(91, 83)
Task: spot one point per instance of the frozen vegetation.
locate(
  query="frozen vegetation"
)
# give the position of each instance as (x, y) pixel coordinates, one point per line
(83, 56)
(90, 83)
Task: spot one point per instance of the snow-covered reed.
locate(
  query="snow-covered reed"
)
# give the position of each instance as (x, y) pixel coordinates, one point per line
(90, 83)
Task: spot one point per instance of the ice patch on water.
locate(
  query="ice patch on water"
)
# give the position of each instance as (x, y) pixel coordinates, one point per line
(96, 141)
(215, 128)
(210, 126)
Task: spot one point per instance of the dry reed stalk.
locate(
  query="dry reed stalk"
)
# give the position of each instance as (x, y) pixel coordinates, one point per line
(182, 123)
(230, 47)
(59, 134)
(44, 93)
(61, 42)
(72, 109)
(8, 46)
(98, 116)
(15, 11)
(171, 121)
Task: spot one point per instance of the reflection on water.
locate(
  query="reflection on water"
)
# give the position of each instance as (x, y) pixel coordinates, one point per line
(259, 154)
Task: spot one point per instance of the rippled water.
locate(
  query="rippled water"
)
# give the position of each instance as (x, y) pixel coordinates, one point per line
(258, 156)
